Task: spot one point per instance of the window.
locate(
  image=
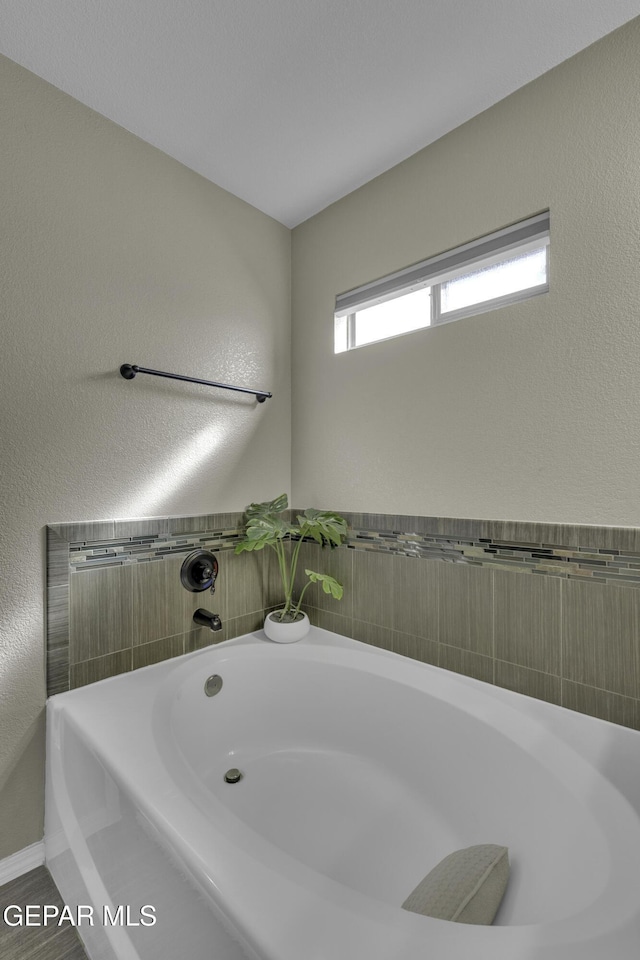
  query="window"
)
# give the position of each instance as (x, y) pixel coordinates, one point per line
(501, 268)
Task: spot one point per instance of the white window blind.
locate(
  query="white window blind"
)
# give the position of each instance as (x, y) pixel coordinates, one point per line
(502, 267)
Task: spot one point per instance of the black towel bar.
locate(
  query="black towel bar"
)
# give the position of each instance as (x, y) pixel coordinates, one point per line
(129, 370)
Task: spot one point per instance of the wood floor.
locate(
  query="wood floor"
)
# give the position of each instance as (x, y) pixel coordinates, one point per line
(39, 942)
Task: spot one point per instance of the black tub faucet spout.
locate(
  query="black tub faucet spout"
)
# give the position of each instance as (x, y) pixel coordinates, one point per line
(205, 619)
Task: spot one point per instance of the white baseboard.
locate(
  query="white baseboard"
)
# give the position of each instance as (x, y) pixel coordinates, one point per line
(21, 862)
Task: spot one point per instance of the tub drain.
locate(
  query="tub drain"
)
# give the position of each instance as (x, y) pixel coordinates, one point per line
(232, 776)
(213, 685)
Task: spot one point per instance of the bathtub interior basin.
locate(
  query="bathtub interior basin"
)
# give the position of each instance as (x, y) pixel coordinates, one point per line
(379, 783)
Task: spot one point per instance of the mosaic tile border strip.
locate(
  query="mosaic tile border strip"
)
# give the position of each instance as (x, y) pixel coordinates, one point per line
(87, 555)
(587, 553)
(543, 559)
(625, 540)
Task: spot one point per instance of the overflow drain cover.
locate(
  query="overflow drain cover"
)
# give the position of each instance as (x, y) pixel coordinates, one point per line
(232, 776)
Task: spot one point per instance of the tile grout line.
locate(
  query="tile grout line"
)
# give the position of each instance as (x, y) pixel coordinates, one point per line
(561, 615)
(493, 622)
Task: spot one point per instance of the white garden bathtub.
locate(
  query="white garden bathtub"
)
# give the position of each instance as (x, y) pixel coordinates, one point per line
(361, 771)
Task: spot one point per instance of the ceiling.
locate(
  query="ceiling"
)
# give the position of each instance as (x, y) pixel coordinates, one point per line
(291, 104)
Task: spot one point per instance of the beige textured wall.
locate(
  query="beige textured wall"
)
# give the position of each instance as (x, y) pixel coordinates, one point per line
(531, 412)
(112, 252)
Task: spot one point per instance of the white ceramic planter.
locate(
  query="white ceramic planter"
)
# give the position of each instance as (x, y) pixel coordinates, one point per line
(286, 632)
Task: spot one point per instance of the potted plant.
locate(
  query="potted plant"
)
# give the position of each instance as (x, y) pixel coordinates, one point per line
(265, 527)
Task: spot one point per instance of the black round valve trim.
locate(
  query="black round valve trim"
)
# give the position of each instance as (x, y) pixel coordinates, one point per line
(199, 571)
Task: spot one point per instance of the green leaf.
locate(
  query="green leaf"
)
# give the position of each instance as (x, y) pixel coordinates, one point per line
(324, 526)
(329, 584)
(250, 545)
(267, 528)
(267, 509)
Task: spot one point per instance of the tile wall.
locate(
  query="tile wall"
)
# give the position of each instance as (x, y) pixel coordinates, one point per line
(115, 601)
(550, 611)
(555, 616)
